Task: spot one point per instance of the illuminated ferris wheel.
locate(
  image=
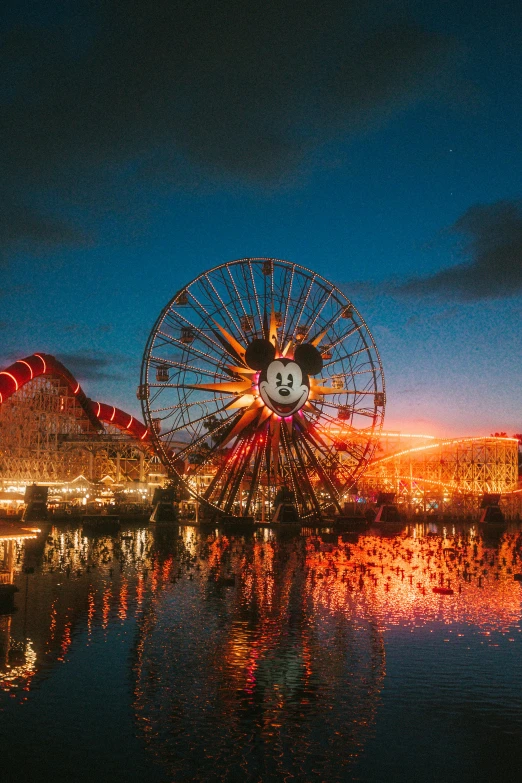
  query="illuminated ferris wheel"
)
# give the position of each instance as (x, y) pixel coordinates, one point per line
(258, 375)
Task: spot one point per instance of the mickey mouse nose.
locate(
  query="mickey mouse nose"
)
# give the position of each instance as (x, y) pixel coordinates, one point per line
(284, 392)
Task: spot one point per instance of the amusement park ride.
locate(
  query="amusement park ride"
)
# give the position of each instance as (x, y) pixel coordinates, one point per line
(269, 377)
(52, 433)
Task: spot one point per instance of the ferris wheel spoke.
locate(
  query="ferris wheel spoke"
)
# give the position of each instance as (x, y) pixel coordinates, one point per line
(350, 408)
(298, 319)
(229, 314)
(196, 300)
(346, 335)
(231, 294)
(289, 299)
(318, 315)
(318, 440)
(354, 450)
(225, 491)
(347, 357)
(249, 452)
(205, 338)
(305, 471)
(243, 458)
(187, 368)
(303, 490)
(289, 465)
(329, 325)
(279, 299)
(185, 425)
(221, 471)
(191, 446)
(154, 396)
(303, 480)
(239, 298)
(185, 405)
(352, 447)
(320, 470)
(209, 456)
(340, 423)
(232, 347)
(255, 290)
(225, 469)
(254, 482)
(223, 487)
(217, 361)
(182, 363)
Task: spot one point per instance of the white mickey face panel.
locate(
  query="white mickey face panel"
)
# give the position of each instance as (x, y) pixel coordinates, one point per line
(285, 389)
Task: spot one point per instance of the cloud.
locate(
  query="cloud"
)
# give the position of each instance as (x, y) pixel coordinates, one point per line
(92, 365)
(28, 226)
(492, 247)
(242, 91)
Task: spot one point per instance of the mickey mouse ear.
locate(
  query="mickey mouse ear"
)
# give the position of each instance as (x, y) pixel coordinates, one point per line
(259, 354)
(308, 358)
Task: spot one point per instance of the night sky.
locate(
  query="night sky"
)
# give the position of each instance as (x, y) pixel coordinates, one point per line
(377, 143)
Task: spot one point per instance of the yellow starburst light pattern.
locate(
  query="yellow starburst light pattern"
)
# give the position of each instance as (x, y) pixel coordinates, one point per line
(283, 375)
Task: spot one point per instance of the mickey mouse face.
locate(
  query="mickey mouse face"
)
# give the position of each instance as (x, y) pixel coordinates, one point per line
(285, 389)
(283, 383)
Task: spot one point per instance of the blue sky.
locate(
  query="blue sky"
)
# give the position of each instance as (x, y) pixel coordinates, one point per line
(381, 148)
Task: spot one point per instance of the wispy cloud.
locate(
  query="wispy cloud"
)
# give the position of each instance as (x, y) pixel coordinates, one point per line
(93, 365)
(492, 252)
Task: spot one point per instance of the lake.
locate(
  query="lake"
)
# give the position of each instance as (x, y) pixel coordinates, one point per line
(176, 653)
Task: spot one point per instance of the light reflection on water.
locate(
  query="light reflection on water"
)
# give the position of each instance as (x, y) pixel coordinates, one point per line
(270, 657)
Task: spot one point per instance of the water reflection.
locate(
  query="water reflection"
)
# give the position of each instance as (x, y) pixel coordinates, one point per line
(255, 656)
(394, 580)
(238, 675)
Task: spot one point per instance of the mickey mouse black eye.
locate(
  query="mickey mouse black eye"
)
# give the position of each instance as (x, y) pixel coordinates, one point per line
(279, 379)
(290, 380)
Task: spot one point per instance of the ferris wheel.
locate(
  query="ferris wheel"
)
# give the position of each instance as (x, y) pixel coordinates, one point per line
(258, 375)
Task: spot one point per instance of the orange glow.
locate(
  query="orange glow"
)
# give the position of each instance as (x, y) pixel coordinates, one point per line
(124, 600)
(66, 641)
(4, 372)
(90, 612)
(22, 361)
(140, 590)
(392, 580)
(441, 442)
(106, 606)
(43, 361)
(77, 389)
(113, 414)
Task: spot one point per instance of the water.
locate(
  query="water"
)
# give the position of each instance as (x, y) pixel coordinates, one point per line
(173, 654)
